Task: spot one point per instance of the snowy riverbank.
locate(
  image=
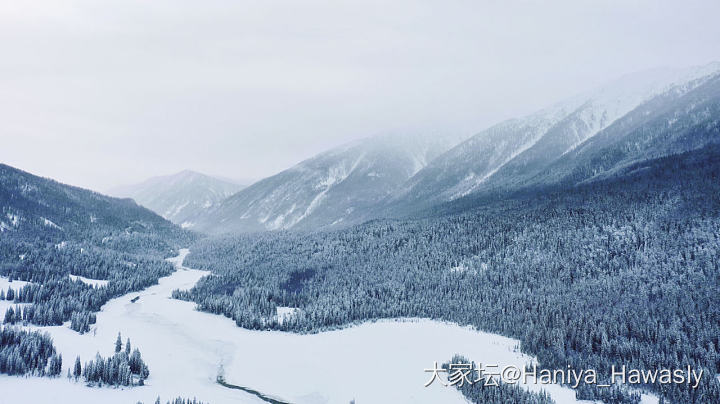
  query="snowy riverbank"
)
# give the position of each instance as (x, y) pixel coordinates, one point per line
(380, 362)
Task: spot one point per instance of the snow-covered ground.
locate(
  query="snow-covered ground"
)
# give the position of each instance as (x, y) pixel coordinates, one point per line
(92, 282)
(14, 285)
(380, 362)
(649, 399)
(284, 313)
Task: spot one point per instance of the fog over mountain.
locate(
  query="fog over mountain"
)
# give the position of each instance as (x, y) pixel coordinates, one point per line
(338, 187)
(179, 196)
(461, 193)
(132, 89)
(510, 154)
(391, 176)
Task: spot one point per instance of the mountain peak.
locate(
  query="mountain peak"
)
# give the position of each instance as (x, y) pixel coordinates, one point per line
(179, 196)
(512, 152)
(337, 187)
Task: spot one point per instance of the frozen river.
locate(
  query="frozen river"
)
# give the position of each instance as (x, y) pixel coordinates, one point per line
(380, 362)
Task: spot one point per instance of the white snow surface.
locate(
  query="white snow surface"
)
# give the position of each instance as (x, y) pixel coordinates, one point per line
(49, 223)
(283, 313)
(380, 362)
(88, 281)
(180, 196)
(646, 398)
(4, 304)
(16, 284)
(581, 117)
(14, 219)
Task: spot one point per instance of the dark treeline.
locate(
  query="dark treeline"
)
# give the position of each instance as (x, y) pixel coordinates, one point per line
(24, 352)
(81, 321)
(179, 400)
(124, 368)
(55, 230)
(55, 297)
(498, 393)
(616, 272)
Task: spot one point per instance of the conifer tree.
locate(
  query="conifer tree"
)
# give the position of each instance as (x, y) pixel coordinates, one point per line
(55, 365)
(9, 316)
(78, 368)
(118, 343)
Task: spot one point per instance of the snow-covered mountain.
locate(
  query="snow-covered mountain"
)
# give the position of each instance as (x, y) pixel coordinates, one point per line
(180, 196)
(399, 175)
(334, 188)
(678, 121)
(32, 206)
(510, 154)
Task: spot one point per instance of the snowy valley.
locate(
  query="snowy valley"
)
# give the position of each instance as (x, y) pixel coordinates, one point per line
(186, 349)
(584, 235)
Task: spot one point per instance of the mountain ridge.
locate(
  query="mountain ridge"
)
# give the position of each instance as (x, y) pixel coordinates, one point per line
(180, 196)
(335, 188)
(34, 205)
(399, 176)
(512, 152)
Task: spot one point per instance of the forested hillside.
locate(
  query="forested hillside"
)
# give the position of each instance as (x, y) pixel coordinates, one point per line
(49, 231)
(622, 270)
(23, 352)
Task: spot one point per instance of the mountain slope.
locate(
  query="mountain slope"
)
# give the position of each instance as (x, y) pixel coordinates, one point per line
(33, 205)
(510, 154)
(180, 196)
(55, 237)
(335, 188)
(673, 123)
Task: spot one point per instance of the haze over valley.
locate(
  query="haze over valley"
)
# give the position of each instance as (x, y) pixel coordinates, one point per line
(336, 202)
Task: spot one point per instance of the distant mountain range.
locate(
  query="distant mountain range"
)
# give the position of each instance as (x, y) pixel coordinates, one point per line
(640, 117)
(546, 146)
(339, 187)
(181, 196)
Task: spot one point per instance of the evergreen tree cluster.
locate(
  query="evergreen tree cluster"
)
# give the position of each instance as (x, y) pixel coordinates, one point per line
(613, 395)
(81, 321)
(10, 295)
(620, 271)
(24, 352)
(13, 314)
(179, 400)
(124, 368)
(55, 298)
(500, 393)
(58, 230)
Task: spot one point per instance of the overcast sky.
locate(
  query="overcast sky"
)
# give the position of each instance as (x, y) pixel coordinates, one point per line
(102, 93)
